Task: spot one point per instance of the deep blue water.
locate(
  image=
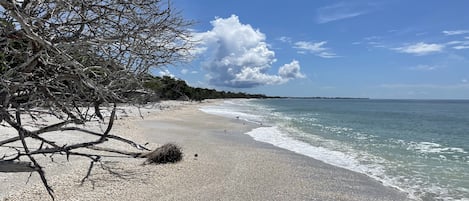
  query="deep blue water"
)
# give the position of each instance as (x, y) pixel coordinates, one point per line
(418, 146)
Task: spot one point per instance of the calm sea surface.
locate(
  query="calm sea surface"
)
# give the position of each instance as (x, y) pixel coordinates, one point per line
(418, 146)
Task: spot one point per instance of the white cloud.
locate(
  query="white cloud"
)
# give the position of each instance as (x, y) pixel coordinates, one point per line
(285, 39)
(165, 72)
(425, 86)
(250, 77)
(186, 71)
(376, 44)
(327, 55)
(458, 42)
(424, 68)
(372, 41)
(420, 48)
(455, 32)
(454, 42)
(372, 38)
(340, 11)
(322, 18)
(237, 55)
(314, 48)
(291, 70)
(461, 47)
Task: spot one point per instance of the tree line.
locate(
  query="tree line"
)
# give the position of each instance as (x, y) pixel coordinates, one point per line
(169, 88)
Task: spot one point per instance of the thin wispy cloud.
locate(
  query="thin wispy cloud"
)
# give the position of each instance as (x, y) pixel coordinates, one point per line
(327, 55)
(341, 11)
(420, 48)
(285, 39)
(461, 47)
(425, 86)
(455, 32)
(310, 46)
(423, 67)
(458, 44)
(317, 49)
(372, 41)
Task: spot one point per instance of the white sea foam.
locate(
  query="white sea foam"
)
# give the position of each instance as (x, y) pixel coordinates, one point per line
(229, 109)
(430, 147)
(273, 135)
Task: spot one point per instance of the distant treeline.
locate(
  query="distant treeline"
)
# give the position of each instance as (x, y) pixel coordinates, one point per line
(168, 88)
(321, 97)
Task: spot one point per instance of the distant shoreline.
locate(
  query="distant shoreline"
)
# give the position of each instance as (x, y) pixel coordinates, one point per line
(319, 97)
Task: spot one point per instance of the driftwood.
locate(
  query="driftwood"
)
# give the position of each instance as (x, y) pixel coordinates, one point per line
(73, 58)
(16, 166)
(168, 153)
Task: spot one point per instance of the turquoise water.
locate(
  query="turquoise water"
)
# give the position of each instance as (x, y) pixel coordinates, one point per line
(420, 147)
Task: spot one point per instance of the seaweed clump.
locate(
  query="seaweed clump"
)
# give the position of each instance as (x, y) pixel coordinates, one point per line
(168, 153)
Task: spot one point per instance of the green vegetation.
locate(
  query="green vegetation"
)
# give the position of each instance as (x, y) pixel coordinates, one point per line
(169, 88)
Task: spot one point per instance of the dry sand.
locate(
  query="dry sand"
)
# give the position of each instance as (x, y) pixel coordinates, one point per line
(229, 166)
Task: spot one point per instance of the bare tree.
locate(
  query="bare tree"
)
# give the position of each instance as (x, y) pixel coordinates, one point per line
(61, 58)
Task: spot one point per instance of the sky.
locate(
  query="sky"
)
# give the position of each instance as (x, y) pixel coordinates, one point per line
(390, 49)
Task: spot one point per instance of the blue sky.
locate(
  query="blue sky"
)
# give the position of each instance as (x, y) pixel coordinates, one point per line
(377, 49)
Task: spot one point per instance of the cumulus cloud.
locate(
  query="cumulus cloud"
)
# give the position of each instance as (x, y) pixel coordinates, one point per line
(165, 72)
(455, 32)
(420, 48)
(291, 70)
(237, 55)
(317, 49)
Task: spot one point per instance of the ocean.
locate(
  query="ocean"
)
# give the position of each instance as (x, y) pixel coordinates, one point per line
(417, 146)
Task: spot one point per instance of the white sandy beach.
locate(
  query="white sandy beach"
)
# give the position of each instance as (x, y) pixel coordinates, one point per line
(229, 166)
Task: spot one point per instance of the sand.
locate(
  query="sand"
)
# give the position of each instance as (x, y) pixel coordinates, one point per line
(229, 165)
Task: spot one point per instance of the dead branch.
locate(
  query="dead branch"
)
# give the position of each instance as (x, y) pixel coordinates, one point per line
(67, 59)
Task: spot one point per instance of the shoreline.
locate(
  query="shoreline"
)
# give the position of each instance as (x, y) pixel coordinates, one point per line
(230, 165)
